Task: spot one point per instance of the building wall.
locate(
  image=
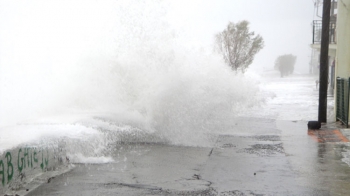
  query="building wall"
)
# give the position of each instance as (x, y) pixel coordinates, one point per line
(342, 66)
(343, 39)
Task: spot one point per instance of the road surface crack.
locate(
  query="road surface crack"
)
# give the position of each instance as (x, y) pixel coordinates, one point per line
(138, 186)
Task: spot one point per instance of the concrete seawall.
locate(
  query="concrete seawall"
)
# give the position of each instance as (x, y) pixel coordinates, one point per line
(27, 166)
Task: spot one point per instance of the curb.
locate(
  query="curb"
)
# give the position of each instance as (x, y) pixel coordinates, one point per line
(346, 133)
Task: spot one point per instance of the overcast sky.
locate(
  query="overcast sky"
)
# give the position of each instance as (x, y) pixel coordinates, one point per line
(285, 25)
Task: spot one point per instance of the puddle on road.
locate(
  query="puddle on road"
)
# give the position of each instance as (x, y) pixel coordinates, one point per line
(261, 145)
(264, 149)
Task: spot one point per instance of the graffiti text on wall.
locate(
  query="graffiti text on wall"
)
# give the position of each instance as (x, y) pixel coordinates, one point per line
(26, 158)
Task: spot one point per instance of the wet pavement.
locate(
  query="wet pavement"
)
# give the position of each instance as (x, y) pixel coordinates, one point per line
(286, 161)
(272, 155)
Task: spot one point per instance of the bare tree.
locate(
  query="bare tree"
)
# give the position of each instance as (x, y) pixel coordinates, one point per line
(238, 45)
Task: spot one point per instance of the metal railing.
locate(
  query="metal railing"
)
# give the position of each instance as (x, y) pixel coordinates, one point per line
(317, 32)
(343, 100)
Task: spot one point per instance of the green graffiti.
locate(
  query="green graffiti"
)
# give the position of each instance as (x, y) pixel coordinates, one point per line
(42, 159)
(34, 156)
(31, 160)
(24, 156)
(9, 165)
(2, 172)
(20, 167)
(47, 158)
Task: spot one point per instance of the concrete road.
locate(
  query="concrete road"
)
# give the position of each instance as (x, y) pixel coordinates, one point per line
(284, 160)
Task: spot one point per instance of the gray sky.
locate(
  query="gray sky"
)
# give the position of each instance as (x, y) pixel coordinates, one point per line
(74, 26)
(285, 25)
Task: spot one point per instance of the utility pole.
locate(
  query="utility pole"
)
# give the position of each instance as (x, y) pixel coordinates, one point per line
(322, 104)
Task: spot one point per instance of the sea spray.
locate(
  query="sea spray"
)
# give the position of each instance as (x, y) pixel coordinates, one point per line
(120, 61)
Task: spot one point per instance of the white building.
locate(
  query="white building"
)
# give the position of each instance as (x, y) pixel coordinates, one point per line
(339, 51)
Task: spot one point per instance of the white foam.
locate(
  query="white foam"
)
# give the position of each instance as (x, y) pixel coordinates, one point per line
(79, 158)
(13, 136)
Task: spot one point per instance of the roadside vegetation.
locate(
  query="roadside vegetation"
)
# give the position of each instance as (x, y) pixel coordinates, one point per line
(285, 64)
(238, 45)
